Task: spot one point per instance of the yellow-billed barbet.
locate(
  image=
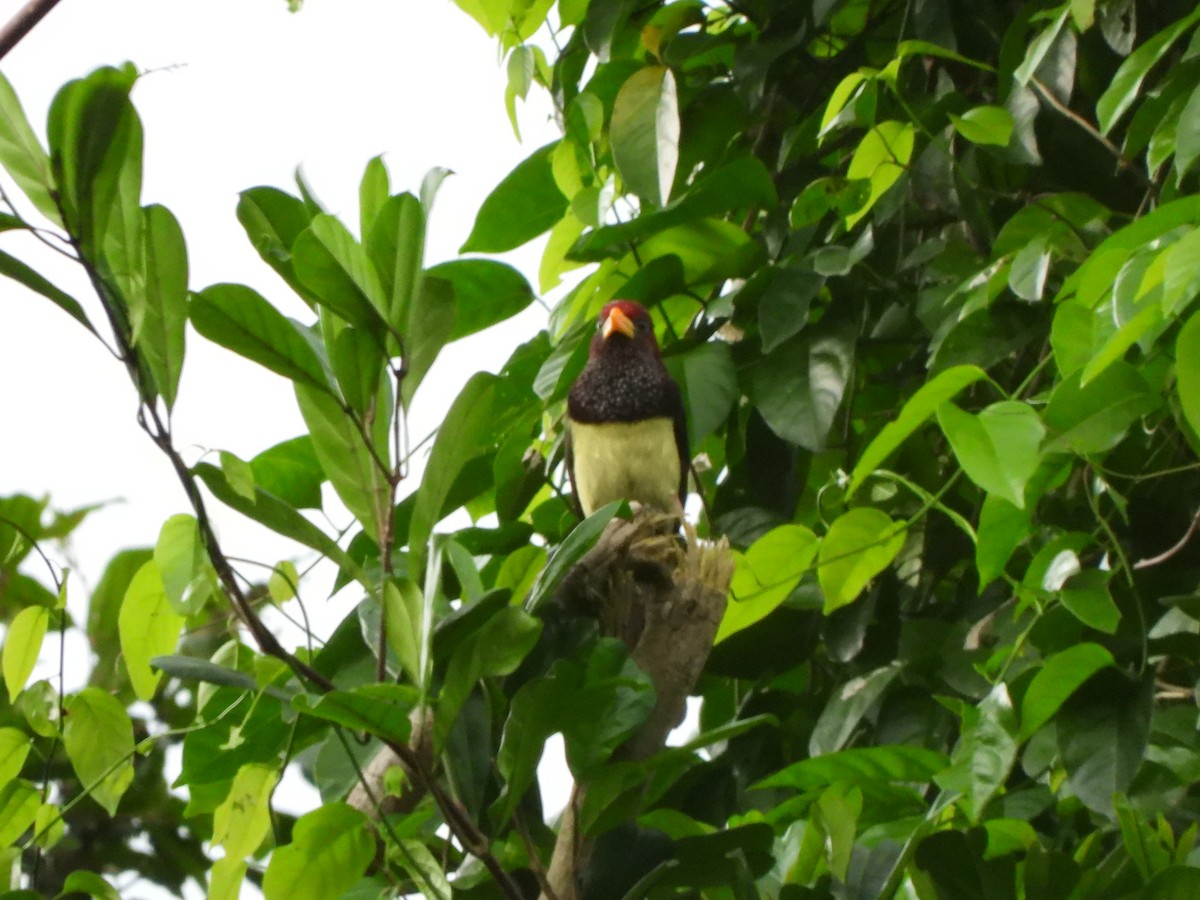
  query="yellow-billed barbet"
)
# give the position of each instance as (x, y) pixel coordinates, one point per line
(627, 434)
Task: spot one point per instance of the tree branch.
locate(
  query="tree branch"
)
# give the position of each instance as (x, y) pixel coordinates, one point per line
(22, 23)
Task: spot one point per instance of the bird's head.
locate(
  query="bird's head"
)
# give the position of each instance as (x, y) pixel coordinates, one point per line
(624, 322)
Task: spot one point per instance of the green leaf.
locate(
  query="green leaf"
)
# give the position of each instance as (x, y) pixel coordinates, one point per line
(769, 571)
(525, 204)
(986, 751)
(95, 141)
(998, 449)
(22, 274)
(84, 882)
(707, 379)
(277, 515)
(291, 472)
(1187, 371)
(430, 325)
(846, 707)
(1095, 418)
(148, 626)
(880, 159)
(331, 848)
(22, 155)
(1102, 734)
(1030, 266)
(99, 742)
(373, 192)
(358, 362)
(19, 803)
(179, 554)
(353, 470)
(1002, 527)
(783, 309)
(917, 409)
(1172, 883)
(1187, 135)
(859, 545)
(1123, 90)
(466, 432)
(189, 668)
(798, 388)
(22, 644)
(644, 133)
(243, 820)
(273, 220)
(378, 709)
(1036, 52)
(581, 539)
(988, 125)
(485, 292)
(1086, 595)
(333, 266)
(1058, 678)
(496, 648)
(862, 765)
(158, 313)
(239, 319)
(405, 625)
(396, 247)
(284, 581)
(14, 750)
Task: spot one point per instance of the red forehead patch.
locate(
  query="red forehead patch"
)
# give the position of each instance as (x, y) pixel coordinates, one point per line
(630, 308)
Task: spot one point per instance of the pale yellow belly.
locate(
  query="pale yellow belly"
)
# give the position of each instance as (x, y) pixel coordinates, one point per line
(634, 461)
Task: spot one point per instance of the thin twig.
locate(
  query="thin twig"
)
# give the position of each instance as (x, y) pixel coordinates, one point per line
(22, 23)
(1161, 558)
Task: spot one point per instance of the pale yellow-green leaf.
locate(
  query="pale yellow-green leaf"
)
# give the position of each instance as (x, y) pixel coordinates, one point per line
(148, 627)
(243, 819)
(14, 749)
(859, 545)
(283, 581)
(22, 644)
(98, 738)
(225, 878)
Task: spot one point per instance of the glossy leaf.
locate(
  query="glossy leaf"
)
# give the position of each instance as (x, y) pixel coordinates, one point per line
(769, 571)
(23, 274)
(19, 802)
(158, 313)
(1122, 91)
(243, 819)
(525, 204)
(987, 125)
(919, 407)
(22, 154)
(1094, 418)
(581, 539)
(998, 448)
(273, 220)
(707, 379)
(985, 753)
(378, 709)
(331, 847)
(335, 269)
(395, 245)
(14, 750)
(99, 742)
(485, 292)
(1058, 678)
(148, 626)
(644, 132)
(859, 545)
(182, 561)
(1086, 595)
(1187, 370)
(1002, 527)
(846, 707)
(239, 319)
(22, 644)
(859, 765)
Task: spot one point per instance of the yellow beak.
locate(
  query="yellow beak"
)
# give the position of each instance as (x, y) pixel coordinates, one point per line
(617, 321)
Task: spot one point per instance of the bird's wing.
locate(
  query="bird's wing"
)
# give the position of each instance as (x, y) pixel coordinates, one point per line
(681, 444)
(570, 460)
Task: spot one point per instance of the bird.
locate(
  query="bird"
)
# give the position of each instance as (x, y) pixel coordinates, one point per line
(626, 429)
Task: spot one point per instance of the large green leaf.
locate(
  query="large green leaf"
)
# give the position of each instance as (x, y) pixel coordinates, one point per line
(1187, 371)
(273, 220)
(467, 431)
(180, 556)
(917, 409)
(239, 319)
(158, 313)
(396, 247)
(644, 132)
(525, 204)
(14, 750)
(485, 292)
(430, 325)
(22, 154)
(98, 738)
(859, 545)
(1058, 678)
(1102, 733)
(378, 709)
(846, 707)
(335, 269)
(1095, 418)
(998, 448)
(19, 802)
(22, 644)
(243, 819)
(331, 847)
(355, 468)
(798, 387)
(859, 766)
(1123, 88)
(148, 627)
(769, 571)
(986, 751)
(707, 379)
